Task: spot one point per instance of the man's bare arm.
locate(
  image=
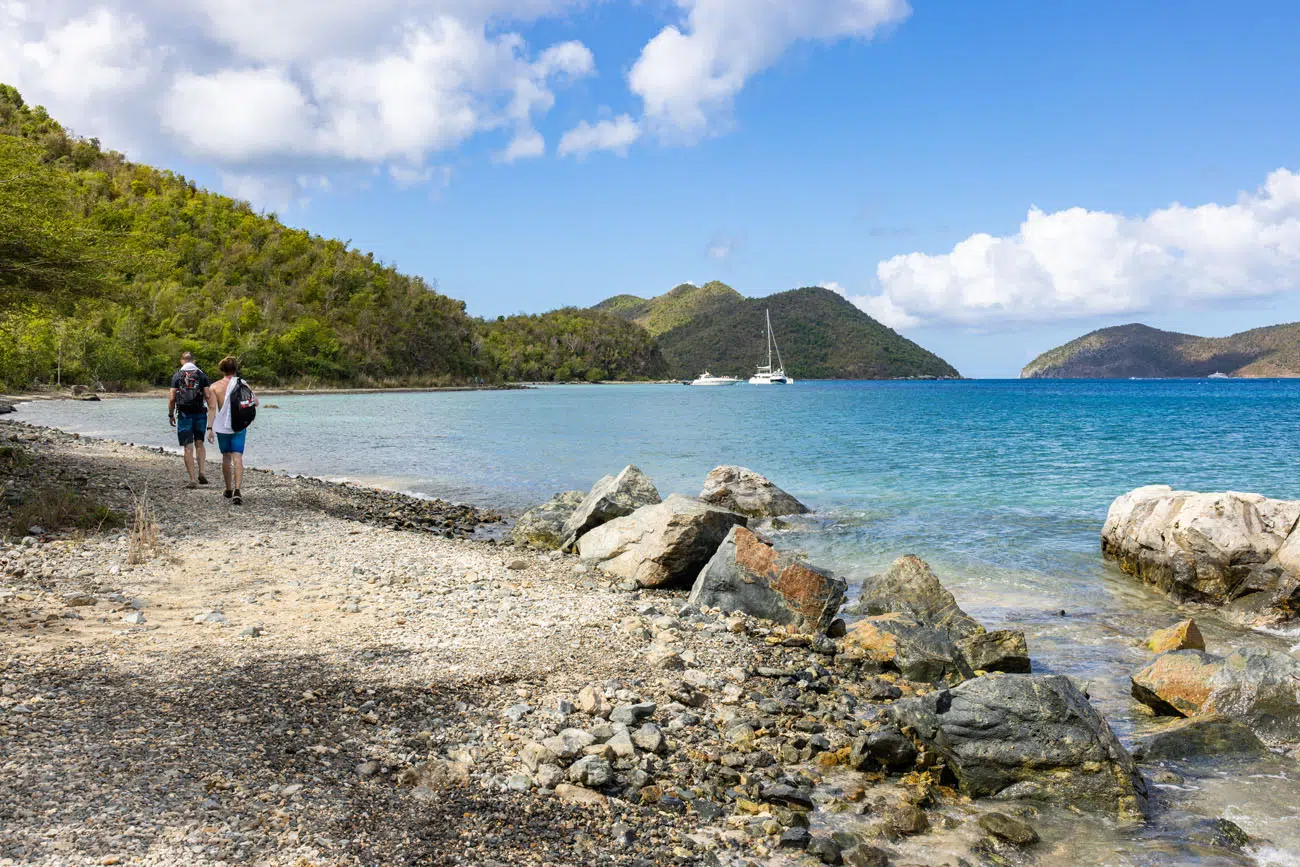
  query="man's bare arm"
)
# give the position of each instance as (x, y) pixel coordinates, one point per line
(171, 408)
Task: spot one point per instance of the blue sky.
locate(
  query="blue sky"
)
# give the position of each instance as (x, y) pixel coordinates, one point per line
(867, 145)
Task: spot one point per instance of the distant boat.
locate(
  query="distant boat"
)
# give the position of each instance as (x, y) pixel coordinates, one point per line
(767, 374)
(707, 378)
(1218, 375)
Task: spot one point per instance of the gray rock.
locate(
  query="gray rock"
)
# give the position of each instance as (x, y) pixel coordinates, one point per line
(251, 632)
(611, 497)
(1260, 688)
(590, 771)
(1008, 830)
(369, 768)
(135, 618)
(542, 527)
(661, 545)
(749, 575)
(633, 714)
(1000, 650)
(649, 738)
(1207, 736)
(621, 744)
(897, 642)
(865, 856)
(519, 782)
(213, 617)
(1035, 735)
(910, 587)
(549, 776)
(517, 712)
(1230, 549)
(569, 743)
(882, 748)
(534, 755)
(742, 490)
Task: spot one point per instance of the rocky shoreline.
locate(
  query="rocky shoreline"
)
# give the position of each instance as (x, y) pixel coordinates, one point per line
(336, 675)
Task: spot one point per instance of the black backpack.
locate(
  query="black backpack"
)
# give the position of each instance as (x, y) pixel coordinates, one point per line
(189, 393)
(243, 407)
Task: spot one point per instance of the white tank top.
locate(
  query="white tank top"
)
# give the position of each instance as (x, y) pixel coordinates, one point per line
(221, 424)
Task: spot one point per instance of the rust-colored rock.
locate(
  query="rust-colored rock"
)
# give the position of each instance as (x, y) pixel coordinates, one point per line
(748, 574)
(897, 642)
(1177, 683)
(1181, 636)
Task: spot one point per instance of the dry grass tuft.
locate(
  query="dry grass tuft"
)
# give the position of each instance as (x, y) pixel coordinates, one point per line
(60, 507)
(145, 539)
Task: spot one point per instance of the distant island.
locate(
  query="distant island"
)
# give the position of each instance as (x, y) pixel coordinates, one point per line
(1141, 351)
(821, 334)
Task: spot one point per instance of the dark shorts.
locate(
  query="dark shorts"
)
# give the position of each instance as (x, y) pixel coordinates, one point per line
(191, 428)
(231, 442)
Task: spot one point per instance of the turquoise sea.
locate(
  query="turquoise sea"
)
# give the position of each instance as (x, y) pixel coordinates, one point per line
(1002, 485)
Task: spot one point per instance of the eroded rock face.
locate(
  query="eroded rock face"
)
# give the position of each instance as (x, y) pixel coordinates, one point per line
(748, 574)
(897, 642)
(742, 490)
(910, 587)
(542, 527)
(1029, 736)
(1220, 548)
(661, 545)
(611, 497)
(1260, 688)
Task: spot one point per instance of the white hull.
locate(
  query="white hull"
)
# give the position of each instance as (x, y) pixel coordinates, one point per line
(715, 383)
(707, 378)
(774, 379)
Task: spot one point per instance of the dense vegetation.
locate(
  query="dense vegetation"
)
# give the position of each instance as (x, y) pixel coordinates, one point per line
(821, 334)
(109, 269)
(571, 344)
(1141, 351)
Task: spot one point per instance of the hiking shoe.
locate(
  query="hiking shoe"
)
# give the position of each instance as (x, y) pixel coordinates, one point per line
(238, 500)
(228, 494)
(203, 480)
(189, 486)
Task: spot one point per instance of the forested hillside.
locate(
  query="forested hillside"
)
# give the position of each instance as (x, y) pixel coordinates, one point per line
(1137, 350)
(109, 269)
(821, 334)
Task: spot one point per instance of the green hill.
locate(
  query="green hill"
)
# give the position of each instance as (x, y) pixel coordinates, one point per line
(1137, 350)
(821, 334)
(108, 269)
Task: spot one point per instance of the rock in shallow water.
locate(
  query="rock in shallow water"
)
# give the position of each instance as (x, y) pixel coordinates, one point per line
(1184, 635)
(897, 642)
(742, 490)
(910, 587)
(1228, 549)
(1001, 650)
(1206, 736)
(1176, 683)
(1027, 735)
(749, 575)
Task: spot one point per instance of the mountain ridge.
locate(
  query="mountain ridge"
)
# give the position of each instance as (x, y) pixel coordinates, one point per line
(1141, 351)
(822, 335)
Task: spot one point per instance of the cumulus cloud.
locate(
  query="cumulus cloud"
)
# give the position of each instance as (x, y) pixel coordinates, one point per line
(615, 135)
(688, 74)
(1078, 263)
(252, 85)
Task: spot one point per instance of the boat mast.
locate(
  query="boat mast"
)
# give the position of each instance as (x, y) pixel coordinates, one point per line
(768, 313)
(772, 337)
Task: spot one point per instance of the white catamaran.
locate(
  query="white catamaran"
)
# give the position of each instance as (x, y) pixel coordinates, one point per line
(767, 374)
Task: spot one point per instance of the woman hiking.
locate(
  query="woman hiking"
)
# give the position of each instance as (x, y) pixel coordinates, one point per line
(230, 441)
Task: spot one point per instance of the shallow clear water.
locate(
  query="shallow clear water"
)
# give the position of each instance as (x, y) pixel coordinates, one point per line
(1001, 485)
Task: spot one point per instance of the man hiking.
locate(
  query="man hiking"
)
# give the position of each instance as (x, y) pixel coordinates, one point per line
(230, 441)
(190, 410)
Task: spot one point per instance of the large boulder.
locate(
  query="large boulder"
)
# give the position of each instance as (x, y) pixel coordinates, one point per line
(910, 587)
(896, 642)
(1027, 736)
(661, 545)
(1199, 737)
(1219, 548)
(1177, 683)
(1257, 687)
(611, 497)
(742, 490)
(543, 526)
(748, 574)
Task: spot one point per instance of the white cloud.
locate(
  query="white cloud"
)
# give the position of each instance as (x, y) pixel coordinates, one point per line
(258, 87)
(688, 75)
(527, 144)
(1078, 263)
(721, 248)
(607, 135)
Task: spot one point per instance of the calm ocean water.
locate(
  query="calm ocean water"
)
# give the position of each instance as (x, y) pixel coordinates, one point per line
(1001, 485)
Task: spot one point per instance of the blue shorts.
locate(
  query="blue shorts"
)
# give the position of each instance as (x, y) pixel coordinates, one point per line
(231, 442)
(191, 428)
